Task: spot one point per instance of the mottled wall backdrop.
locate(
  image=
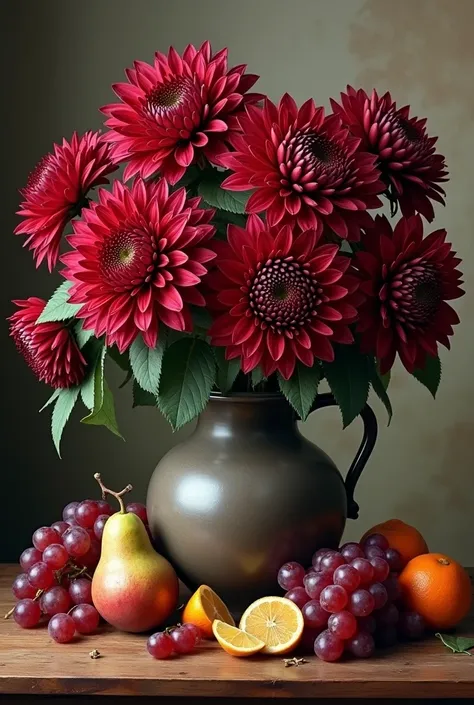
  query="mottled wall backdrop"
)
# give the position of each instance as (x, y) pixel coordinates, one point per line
(59, 59)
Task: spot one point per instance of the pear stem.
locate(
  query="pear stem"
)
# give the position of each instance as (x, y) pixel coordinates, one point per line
(118, 495)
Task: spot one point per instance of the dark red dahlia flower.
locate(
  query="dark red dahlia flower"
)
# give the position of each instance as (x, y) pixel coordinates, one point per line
(280, 297)
(305, 167)
(176, 111)
(407, 281)
(138, 257)
(56, 191)
(411, 169)
(49, 348)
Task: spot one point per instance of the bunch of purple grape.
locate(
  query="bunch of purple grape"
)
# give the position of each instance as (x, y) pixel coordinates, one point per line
(55, 585)
(178, 640)
(350, 599)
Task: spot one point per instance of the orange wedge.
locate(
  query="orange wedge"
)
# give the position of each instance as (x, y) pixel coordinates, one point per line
(235, 641)
(203, 607)
(276, 621)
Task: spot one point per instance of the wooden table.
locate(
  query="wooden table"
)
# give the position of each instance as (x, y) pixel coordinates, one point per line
(32, 665)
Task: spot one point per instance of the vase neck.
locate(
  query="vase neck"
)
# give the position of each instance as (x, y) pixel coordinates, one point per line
(247, 414)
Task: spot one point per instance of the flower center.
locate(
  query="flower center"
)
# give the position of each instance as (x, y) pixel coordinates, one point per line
(410, 132)
(283, 294)
(39, 178)
(417, 293)
(165, 98)
(120, 263)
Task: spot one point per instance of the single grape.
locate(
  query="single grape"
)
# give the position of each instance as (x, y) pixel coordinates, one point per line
(361, 603)
(80, 591)
(392, 587)
(99, 526)
(27, 613)
(387, 616)
(86, 618)
(306, 644)
(196, 632)
(333, 598)
(328, 647)
(376, 540)
(43, 537)
(76, 541)
(21, 587)
(55, 556)
(91, 558)
(381, 569)
(386, 636)
(367, 624)
(104, 507)
(291, 575)
(351, 550)
(139, 509)
(40, 576)
(160, 645)
(365, 570)
(62, 628)
(394, 560)
(379, 593)
(362, 645)
(315, 583)
(55, 600)
(347, 576)
(330, 561)
(298, 595)
(29, 557)
(314, 615)
(183, 640)
(316, 560)
(374, 552)
(69, 512)
(342, 624)
(60, 527)
(411, 625)
(86, 513)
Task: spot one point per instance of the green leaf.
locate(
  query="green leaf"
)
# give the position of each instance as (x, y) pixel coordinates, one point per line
(257, 376)
(191, 174)
(146, 364)
(82, 336)
(201, 317)
(52, 398)
(385, 379)
(210, 190)
(97, 356)
(61, 412)
(127, 379)
(189, 372)
(142, 398)
(227, 370)
(58, 308)
(349, 379)
(380, 388)
(301, 389)
(430, 375)
(457, 644)
(120, 359)
(103, 411)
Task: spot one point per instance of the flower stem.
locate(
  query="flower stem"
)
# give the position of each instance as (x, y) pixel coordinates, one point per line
(118, 495)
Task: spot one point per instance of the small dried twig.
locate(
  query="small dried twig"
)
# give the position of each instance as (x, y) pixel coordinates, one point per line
(118, 495)
(294, 662)
(9, 613)
(95, 654)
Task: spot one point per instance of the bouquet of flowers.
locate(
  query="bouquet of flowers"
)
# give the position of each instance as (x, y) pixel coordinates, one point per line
(238, 251)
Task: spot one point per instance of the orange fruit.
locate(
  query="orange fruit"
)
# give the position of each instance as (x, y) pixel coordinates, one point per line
(404, 538)
(203, 607)
(438, 588)
(235, 641)
(276, 621)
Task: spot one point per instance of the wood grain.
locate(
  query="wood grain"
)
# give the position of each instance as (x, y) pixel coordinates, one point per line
(30, 663)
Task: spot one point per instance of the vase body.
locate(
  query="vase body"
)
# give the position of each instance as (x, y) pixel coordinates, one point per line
(245, 493)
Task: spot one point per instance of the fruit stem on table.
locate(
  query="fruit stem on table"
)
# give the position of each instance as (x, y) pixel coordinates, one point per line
(118, 495)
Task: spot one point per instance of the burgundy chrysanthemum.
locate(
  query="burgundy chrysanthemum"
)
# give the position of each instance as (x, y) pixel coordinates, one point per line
(48, 348)
(280, 297)
(56, 191)
(410, 167)
(304, 167)
(176, 111)
(138, 257)
(407, 281)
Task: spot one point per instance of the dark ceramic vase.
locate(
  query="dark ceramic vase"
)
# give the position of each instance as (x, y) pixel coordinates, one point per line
(247, 492)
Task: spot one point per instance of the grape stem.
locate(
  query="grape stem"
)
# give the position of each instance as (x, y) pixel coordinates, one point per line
(118, 495)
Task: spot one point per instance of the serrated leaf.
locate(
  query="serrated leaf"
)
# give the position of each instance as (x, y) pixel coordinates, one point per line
(189, 372)
(348, 377)
(430, 375)
(61, 412)
(385, 379)
(210, 190)
(301, 389)
(127, 379)
(142, 398)
(58, 308)
(201, 317)
(191, 174)
(146, 364)
(82, 336)
(227, 370)
(379, 387)
(120, 359)
(103, 411)
(257, 376)
(52, 398)
(97, 356)
(457, 644)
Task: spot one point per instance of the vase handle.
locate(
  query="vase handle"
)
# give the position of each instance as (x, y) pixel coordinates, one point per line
(363, 454)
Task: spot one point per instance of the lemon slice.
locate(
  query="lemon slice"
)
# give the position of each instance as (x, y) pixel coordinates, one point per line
(276, 621)
(235, 641)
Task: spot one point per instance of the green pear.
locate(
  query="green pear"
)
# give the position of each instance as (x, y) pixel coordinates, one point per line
(133, 587)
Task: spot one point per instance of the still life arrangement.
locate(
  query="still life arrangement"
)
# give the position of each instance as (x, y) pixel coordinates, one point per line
(233, 265)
